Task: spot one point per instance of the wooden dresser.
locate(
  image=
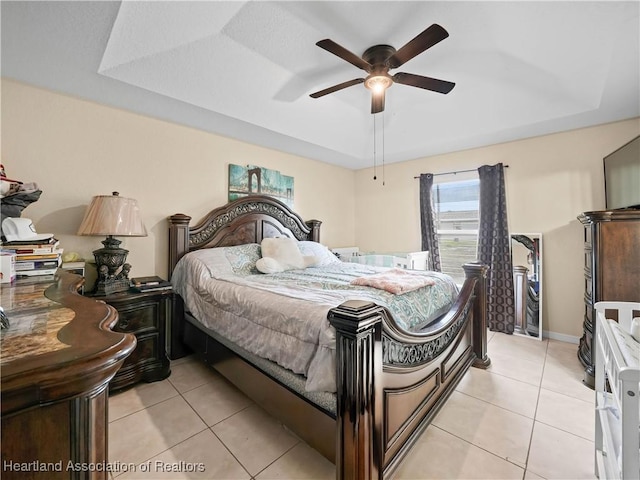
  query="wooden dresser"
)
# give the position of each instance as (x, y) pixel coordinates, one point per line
(611, 270)
(58, 356)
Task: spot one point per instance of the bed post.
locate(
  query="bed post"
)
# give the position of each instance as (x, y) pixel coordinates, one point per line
(178, 238)
(358, 327)
(479, 272)
(314, 225)
(178, 246)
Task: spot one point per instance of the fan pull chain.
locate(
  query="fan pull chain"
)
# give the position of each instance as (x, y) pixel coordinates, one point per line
(374, 147)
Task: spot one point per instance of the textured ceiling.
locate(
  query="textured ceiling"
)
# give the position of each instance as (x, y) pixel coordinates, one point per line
(246, 69)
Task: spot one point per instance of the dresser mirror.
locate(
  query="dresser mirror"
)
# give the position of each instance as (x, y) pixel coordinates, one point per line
(526, 257)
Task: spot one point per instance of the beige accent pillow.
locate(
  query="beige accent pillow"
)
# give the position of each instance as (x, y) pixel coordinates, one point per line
(284, 251)
(281, 254)
(269, 265)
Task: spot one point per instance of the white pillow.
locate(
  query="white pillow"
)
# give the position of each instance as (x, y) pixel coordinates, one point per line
(269, 265)
(321, 252)
(279, 254)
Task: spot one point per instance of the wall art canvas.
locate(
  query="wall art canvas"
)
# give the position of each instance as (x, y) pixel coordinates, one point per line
(252, 180)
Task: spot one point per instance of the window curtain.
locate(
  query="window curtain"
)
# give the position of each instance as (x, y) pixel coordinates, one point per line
(494, 249)
(427, 222)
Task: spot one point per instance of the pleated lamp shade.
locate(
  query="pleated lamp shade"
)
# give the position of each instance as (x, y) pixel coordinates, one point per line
(113, 215)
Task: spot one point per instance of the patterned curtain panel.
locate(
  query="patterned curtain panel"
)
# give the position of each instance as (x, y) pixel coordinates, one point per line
(493, 248)
(427, 221)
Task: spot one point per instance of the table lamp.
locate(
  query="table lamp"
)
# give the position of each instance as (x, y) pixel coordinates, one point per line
(112, 215)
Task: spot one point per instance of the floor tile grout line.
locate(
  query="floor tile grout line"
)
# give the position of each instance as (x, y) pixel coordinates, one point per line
(511, 411)
(169, 448)
(207, 427)
(180, 394)
(566, 395)
(497, 406)
(283, 454)
(510, 378)
(221, 420)
(516, 379)
(210, 427)
(183, 440)
(535, 413)
(555, 427)
(480, 447)
(231, 453)
(193, 388)
(143, 407)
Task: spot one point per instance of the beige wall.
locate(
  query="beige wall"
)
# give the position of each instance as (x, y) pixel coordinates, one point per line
(550, 180)
(74, 149)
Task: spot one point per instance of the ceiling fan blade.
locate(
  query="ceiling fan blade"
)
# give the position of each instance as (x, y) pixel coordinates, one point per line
(337, 87)
(427, 39)
(428, 83)
(377, 102)
(343, 53)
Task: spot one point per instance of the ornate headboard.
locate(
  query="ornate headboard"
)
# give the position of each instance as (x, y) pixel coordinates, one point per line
(245, 220)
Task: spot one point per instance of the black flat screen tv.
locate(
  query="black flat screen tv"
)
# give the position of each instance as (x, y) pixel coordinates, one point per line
(622, 177)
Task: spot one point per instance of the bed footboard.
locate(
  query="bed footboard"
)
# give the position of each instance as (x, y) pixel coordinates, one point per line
(390, 384)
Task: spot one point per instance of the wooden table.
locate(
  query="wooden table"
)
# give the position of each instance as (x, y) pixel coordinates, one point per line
(58, 357)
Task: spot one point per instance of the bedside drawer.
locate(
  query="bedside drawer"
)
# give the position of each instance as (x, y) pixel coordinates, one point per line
(147, 349)
(138, 318)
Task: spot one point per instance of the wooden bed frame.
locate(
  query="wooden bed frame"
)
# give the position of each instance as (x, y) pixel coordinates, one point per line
(390, 383)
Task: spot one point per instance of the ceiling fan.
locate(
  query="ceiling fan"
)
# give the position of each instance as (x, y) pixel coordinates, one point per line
(377, 61)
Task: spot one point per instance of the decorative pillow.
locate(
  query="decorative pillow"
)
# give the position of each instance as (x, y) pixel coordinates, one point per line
(283, 250)
(323, 255)
(282, 253)
(243, 258)
(269, 265)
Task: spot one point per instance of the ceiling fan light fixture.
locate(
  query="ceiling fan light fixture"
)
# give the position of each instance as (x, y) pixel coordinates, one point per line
(379, 59)
(378, 83)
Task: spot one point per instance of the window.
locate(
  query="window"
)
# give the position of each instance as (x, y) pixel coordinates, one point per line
(456, 207)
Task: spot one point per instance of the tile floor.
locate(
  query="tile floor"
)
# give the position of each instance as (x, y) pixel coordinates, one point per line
(527, 417)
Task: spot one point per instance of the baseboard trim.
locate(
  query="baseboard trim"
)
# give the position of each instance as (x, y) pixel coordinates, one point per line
(560, 337)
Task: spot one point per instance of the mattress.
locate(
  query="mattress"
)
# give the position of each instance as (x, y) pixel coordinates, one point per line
(283, 316)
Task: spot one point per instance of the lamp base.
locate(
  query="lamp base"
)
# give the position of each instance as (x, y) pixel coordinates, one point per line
(107, 287)
(113, 272)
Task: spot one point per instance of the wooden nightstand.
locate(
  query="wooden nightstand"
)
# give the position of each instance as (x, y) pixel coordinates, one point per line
(146, 315)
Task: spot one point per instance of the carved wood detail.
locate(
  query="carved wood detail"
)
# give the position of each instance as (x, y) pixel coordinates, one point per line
(416, 354)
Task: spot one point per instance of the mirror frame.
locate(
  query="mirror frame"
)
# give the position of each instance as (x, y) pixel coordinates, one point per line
(533, 243)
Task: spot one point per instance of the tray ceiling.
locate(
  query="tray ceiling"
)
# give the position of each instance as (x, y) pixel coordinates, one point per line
(246, 69)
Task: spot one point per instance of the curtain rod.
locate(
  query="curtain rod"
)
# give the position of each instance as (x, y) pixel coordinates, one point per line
(458, 171)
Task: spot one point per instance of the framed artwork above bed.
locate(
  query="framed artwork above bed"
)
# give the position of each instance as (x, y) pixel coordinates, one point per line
(253, 180)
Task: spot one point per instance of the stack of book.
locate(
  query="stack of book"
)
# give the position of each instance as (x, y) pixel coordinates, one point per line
(38, 258)
(150, 284)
